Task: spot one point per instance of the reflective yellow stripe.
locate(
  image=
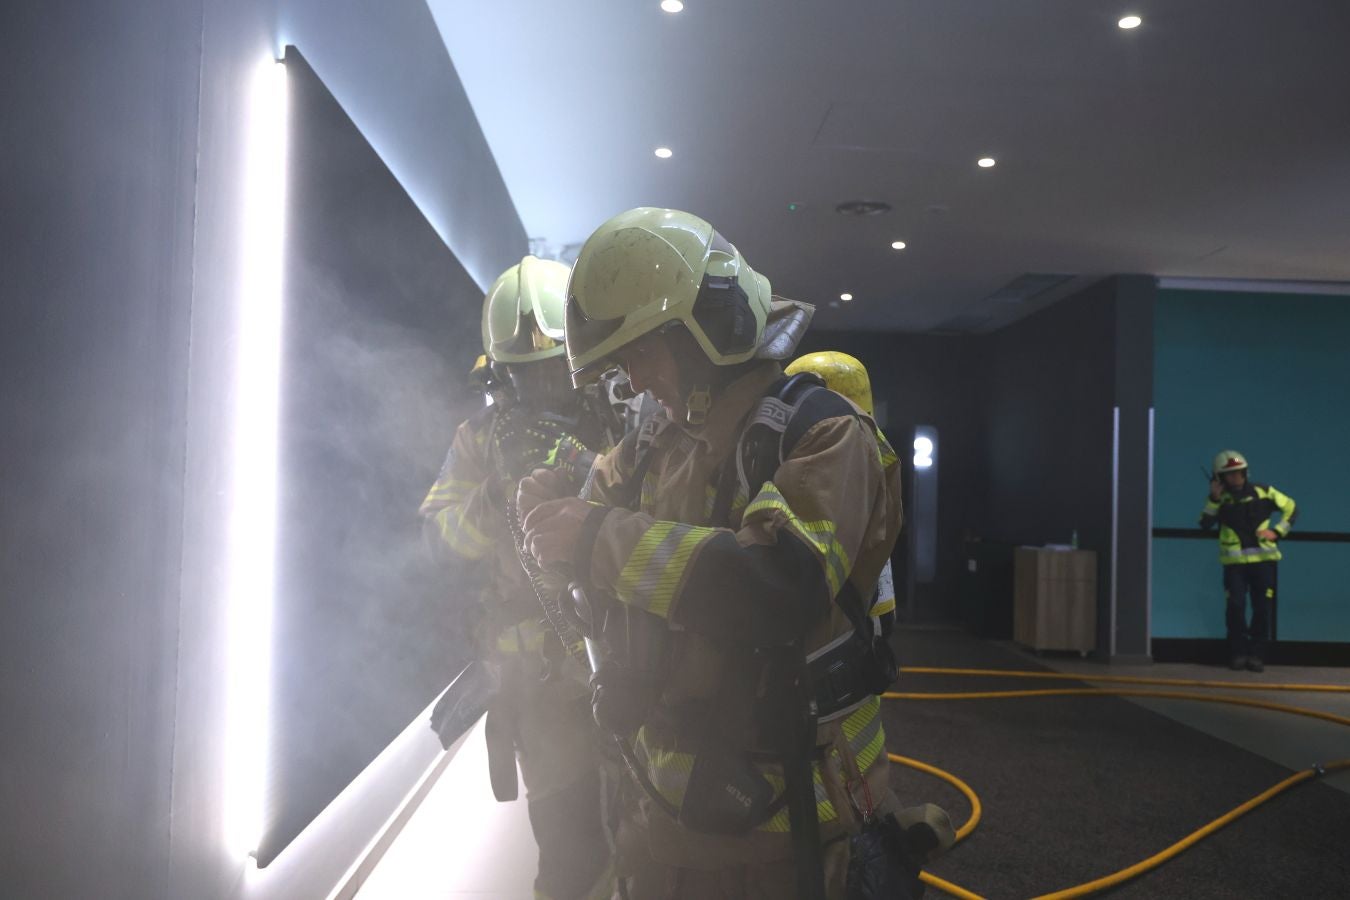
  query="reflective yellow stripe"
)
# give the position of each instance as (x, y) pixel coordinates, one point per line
(657, 564)
(462, 536)
(866, 737)
(638, 559)
(738, 501)
(819, 534)
(450, 488)
(741, 498)
(885, 450)
(668, 770)
(866, 741)
(882, 607)
(647, 497)
(825, 811)
(445, 493)
(526, 637)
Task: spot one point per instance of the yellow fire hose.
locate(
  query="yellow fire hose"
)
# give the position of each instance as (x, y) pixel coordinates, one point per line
(1131, 679)
(1180, 846)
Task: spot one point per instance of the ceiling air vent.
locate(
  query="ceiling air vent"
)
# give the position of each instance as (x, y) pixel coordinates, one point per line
(863, 208)
(966, 323)
(1025, 287)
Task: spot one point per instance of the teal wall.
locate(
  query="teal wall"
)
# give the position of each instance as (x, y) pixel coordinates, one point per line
(1269, 375)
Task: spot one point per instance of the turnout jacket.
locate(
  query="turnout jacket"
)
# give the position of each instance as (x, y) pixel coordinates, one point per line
(1240, 515)
(830, 514)
(464, 513)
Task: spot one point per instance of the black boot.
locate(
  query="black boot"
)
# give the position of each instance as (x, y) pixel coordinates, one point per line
(1254, 664)
(1237, 663)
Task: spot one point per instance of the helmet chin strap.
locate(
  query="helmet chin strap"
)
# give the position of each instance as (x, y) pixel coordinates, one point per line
(700, 379)
(697, 403)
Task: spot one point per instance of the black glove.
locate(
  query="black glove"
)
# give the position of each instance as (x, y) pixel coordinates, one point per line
(882, 864)
(524, 440)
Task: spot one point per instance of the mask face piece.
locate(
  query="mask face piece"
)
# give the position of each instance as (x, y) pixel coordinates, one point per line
(543, 383)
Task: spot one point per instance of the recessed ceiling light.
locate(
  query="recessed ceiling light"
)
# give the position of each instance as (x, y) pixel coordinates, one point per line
(846, 297)
(664, 153)
(672, 6)
(986, 162)
(1130, 22)
(897, 245)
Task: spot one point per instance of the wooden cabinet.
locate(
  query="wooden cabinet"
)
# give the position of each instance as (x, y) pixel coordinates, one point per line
(1055, 599)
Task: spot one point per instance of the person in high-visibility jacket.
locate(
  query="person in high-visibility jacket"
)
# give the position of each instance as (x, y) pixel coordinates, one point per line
(1249, 551)
(540, 715)
(673, 534)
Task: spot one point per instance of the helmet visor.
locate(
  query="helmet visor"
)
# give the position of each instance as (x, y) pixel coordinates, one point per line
(583, 336)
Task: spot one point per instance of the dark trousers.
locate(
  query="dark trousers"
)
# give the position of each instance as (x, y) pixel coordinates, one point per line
(1240, 580)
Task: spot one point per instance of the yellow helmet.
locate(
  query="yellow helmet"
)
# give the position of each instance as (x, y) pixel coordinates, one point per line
(1229, 461)
(647, 268)
(523, 312)
(843, 374)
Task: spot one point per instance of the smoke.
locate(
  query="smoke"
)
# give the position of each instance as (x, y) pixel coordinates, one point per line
(369, 627)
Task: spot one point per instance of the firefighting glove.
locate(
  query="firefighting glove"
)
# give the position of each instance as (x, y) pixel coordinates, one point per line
(523, 440)
(572, 458)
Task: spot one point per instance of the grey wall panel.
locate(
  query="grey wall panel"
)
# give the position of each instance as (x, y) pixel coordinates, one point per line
(1135, 299)
(98, 105)
(390, 70)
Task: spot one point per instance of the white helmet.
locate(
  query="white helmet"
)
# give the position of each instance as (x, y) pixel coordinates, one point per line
(1229, 461)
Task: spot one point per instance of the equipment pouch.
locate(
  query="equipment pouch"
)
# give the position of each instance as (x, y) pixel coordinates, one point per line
(883, 668)
(727, 794)
(464, 701)
(848, 670)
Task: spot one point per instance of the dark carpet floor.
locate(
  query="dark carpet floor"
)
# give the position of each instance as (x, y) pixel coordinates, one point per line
(1077, 788)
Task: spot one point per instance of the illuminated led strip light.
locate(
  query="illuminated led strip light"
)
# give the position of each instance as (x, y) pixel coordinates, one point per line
(252, 513)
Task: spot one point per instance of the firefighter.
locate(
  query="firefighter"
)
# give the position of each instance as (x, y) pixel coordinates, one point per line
(1249, 552)
(731, 537)
(540, 714)
(847, 376)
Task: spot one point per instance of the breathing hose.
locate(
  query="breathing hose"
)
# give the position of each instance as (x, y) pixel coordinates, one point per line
(548, 600)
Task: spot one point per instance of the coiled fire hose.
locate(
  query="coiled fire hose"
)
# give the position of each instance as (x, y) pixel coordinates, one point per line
(1301, 777)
